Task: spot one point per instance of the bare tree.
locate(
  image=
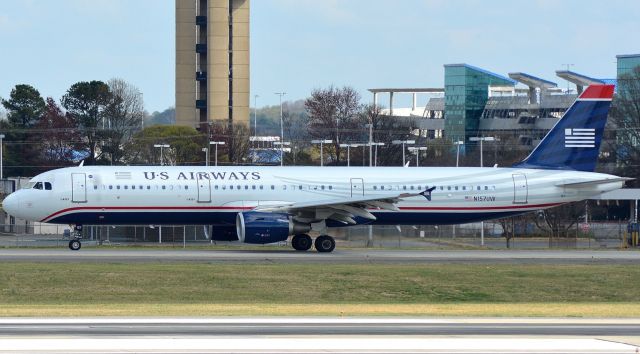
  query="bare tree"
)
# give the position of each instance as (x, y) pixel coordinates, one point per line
(124, 114)
(558, 221)
(333, 114)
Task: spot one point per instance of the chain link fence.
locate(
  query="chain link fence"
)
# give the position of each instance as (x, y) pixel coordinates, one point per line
(527, 236)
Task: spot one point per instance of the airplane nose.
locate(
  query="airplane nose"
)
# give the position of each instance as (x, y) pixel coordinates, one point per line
(10, 204)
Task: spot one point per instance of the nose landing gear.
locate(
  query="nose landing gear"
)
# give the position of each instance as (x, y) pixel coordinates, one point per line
(75, 243)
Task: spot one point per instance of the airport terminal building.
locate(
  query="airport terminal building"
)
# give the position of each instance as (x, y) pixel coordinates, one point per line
(475, 102)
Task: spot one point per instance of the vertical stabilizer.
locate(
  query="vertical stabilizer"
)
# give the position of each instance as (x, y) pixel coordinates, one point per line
(574, 142)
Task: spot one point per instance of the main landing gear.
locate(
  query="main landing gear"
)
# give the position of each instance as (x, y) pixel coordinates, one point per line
(324, 243)
(75, 243)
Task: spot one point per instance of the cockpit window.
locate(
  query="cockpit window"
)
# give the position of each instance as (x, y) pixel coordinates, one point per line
(47, 186)
(38, 185)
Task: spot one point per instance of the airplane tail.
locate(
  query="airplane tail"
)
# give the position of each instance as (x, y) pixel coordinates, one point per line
(574, 142)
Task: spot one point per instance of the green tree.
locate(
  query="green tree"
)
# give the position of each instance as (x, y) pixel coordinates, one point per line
(85, 103)
(24, 108)
(58, 135)
(185, 146)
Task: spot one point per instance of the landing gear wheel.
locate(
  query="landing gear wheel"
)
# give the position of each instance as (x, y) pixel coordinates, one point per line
(301, 242)
(74, 245)
(325, 243)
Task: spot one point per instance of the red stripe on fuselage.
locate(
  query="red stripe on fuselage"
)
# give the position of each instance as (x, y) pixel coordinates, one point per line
(510, 207)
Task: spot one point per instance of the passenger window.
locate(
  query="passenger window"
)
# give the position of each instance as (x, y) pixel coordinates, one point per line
(464, 188)
(110, 187)
(478, 188)
(140, 187)
(273, 187)
(375, 188)
(186, 187)
(413, 187)
(284, 187)
(448, 188)
(126, 187)
(300, 187)
(118, 187)
(246, 187)
(330, 187)
(404, 188)
(322, 187)
(486, 188)
(253, 187)
(215, 187)
(239, 187)
(164, 187)
(148, 187)
(231, 186)
(381, 187)
(95, 187)
(224, 187)
(261, 187)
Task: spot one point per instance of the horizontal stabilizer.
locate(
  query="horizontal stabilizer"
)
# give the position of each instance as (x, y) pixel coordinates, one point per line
(582, 183)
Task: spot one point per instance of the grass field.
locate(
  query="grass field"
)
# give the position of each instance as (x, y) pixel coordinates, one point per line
(40, 289)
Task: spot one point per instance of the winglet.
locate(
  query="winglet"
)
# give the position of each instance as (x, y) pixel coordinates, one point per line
(427, 193)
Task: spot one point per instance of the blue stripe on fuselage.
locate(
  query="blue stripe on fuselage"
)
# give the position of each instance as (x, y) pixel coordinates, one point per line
(208, 218)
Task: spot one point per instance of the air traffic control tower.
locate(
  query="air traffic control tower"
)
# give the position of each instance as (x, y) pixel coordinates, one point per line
(212, 62)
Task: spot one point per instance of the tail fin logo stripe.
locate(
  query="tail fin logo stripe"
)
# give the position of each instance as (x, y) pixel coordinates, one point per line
(580, 138)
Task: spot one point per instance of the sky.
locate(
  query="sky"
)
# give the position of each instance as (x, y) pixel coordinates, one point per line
(299, 45)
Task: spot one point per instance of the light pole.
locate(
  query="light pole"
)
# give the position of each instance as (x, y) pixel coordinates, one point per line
(216, 143)
(1, 155)
(417, 150)
(481, 139)
(349, 146)
(282, 145)
(255, 115)
(321, 142)
(206, 156)
(281, 125)
(370, 126)
(403, 142)
(162, 146)
(458, 143)
(375, 159)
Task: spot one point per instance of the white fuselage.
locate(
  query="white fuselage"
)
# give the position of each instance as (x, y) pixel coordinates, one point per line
(156, 195)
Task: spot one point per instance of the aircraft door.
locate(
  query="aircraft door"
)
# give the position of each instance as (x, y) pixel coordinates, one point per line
(520, 188)
(204, 190)
(79, 187)
(357, 187)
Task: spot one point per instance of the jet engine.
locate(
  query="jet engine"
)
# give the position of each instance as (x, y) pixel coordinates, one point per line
(260, 228)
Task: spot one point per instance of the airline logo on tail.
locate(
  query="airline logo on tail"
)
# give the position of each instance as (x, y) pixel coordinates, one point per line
(580, 138)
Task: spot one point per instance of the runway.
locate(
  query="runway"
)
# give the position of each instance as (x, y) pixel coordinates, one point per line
(316, 326)
(132, 255)
(314, 335)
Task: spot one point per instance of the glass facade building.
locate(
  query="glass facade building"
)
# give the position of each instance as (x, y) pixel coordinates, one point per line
(466, 91)
(626, 64)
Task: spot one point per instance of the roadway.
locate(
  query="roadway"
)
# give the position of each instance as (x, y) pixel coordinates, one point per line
(133, 255)
(314, 335)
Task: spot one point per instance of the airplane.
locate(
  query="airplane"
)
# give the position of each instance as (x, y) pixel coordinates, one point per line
(260, 205)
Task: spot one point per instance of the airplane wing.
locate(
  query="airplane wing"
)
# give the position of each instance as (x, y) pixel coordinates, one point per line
(583, 183)
(343, 210)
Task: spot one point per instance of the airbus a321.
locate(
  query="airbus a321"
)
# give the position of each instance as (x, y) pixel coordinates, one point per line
(260, 205)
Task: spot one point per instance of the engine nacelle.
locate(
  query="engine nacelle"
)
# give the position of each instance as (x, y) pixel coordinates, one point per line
(260, 228)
